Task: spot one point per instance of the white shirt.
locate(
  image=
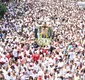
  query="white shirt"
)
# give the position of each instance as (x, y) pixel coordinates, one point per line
(15, 54)
(23, 77)
(60, 64)
(4, 73)
(9, 77)
(14, 78)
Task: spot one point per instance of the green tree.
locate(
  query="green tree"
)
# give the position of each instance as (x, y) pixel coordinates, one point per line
(3, 9)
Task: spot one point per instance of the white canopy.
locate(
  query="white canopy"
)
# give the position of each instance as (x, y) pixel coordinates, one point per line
(81, 4)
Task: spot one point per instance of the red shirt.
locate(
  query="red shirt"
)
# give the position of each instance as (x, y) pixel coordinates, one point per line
(8, 56)
(36, 57)
(45, 51)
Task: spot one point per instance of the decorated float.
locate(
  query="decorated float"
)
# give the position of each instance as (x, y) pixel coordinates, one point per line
(44, 34)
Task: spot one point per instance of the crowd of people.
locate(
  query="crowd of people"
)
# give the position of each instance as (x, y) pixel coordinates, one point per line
(22, 58)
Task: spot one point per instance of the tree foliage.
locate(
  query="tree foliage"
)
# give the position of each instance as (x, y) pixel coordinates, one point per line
(3, 9)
